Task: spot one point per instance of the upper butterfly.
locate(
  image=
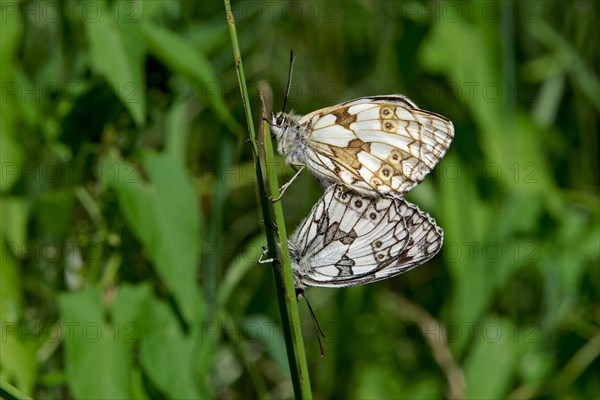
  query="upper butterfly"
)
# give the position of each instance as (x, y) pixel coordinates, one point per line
(373, 145)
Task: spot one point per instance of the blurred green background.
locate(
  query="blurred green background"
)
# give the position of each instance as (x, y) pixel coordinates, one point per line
(130, 225)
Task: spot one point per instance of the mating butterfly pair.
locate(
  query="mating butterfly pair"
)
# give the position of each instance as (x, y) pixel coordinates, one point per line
(368, 152)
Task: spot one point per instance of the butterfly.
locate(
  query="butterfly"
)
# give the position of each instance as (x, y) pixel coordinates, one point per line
(349, 239)
(373, 145)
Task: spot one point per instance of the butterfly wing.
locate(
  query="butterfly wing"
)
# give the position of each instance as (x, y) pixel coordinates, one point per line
(349, 239)
(382, 144)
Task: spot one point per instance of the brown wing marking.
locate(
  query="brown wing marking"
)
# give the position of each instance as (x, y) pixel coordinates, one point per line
(343, 117)
(349, 154)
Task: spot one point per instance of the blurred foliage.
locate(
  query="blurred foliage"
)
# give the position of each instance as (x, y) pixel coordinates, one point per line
(130, 227)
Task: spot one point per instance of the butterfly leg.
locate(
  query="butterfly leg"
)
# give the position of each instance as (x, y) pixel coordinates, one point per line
(248, 140)
(265, 253)
(318, 331)
(283, 188)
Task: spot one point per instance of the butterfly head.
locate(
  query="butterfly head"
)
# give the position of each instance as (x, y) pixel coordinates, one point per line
(288, 133)
(278, 125)
(277, 119)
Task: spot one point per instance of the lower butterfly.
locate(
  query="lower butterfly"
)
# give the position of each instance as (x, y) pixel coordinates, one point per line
(349, 239)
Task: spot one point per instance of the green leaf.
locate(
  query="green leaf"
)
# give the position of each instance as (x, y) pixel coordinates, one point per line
(475, 78)
(53, 209)
(18, 359)
(11, 303)
(177, 130)
(97, 361)
(164, 215)
(10, 31)
(193, 65)
(14, 214)
(378, 382)
(570, 59)
(130, 302)
(262, 329)
(551, 95)
(237, 270)
(17, 353)
(493, 359)
(164, 345)
(11, 153)
(567, 258)
(119, 61)
(464, 218)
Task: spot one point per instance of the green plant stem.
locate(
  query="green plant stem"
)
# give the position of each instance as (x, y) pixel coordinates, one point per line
(286, 293)
(9, 392)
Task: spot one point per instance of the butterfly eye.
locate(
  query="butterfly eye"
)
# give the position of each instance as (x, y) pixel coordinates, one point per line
(280, 119)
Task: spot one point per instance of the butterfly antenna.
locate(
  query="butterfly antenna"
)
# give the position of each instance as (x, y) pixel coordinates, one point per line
(289, 84)
(317, 328)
